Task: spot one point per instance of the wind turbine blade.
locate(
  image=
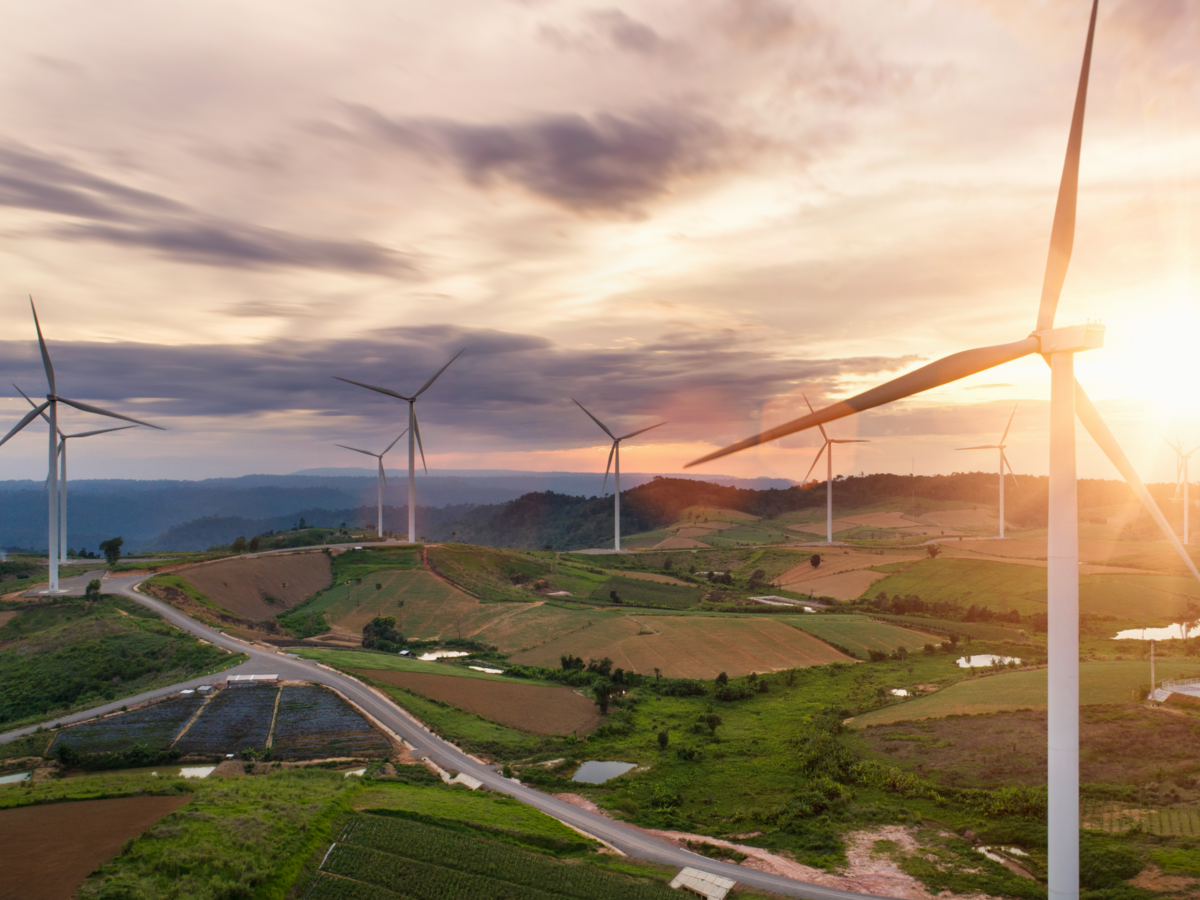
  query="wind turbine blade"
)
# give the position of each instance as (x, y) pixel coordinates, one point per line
(811, 410)
(101, 431)
(356, 450)
(824, 446)
(29, 417)
(392, 444)
(1004, 457)
(45, 485)
(850, 441)
(371, 387)
(104, 412)
(417, 432)
(382, 472)
(1174, 445)
(1193, 450)
(1097, 428)
(1009, 425)
(594, 419)
(640, 431)
(943, 371)
(1062, 235)
(980, 447)
(609, 466)
(31, 403)
(45, 353)
(426, 386)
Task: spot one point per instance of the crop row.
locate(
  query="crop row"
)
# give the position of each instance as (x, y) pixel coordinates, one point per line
(326, 887)
(313, 721)
(154, 726)
(236, 719)
(426, 846)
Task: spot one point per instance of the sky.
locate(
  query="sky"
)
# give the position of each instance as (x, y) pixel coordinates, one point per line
(691, 211)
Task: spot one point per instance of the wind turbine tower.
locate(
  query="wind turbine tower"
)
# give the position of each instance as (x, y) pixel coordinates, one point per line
(414, 432)
(1003, 462)
(828, 445)
(1058, 347)
(614, 454)
(382, 476)
(1182, 468)
(51, 405)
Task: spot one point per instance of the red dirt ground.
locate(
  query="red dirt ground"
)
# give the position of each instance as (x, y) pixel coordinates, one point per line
(529, 707)
(240, 585)
(50, 849)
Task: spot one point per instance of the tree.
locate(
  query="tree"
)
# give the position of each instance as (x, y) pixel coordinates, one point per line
(664, 738)
(92, 591)
(758, 578)
(657, 673)
(667, 564)
(239, 546)
(722, 679)
(814, 560)
(933, 550)
(253, 545)
(612, 595)
(381, 634)
(112, 549)
(712, 720)
(603, 695)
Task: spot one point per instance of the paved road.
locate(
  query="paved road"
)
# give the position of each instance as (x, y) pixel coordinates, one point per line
(628, 839)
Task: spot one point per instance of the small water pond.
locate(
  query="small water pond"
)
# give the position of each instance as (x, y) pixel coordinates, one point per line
(596, 771)
(14, 777)
(359, 772)
(1174, 632)
(442, 654)
(486, 669)
(898, 692)
(986, 659)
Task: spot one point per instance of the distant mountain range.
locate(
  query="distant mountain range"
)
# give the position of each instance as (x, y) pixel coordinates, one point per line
(184, 515)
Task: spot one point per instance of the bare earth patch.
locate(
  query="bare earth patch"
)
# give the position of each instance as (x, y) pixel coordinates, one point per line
(678, 543)
(242, 585)
(530, 707)
(839, 586)
(50, 849)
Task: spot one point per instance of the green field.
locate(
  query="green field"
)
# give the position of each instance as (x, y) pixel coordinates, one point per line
(1109, 681)
(998, 586)
(980, 631)
(637, 592)
(1155, 600)
(860, 635)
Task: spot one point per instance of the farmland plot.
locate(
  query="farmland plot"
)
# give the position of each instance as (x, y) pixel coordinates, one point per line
(263, 586)
(154, 726)
(315, 723)
(860, 635)
(236, 719)
(640, 592)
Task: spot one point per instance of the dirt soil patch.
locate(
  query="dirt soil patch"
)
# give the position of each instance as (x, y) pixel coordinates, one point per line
(6, 617)
(678, 543)
(264, 586)
(840, 585)
(50, 849)
(529, 707)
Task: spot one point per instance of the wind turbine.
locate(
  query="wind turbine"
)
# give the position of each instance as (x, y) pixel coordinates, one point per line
(62, 474)
(1058, 347)
(382, 475)
(414, 431)
(1003, 462)
(614, 453)
(51, 404)
(1181, 467)
(828, 445)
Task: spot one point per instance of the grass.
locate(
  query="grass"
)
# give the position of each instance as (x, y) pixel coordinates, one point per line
(858, 634)
(488, 573)
(636, 592)
(67, 656)
(349, 660)
(1108, 681)
(996, 585)
(977, 630)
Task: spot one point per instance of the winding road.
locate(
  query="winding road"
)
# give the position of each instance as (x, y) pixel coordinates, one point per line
(629, 840)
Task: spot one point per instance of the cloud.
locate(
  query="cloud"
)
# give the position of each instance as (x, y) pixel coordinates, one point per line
(606, 163)
(114, 213)
(626, 33)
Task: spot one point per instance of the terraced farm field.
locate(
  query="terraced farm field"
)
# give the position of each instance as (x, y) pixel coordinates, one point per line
(263, 586)
(315, 723)
(634, 591)
(689, 647)
(155, 726)
(860, 635)
(234, 720)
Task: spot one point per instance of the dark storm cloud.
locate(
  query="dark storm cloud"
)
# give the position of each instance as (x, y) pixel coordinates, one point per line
(99, 209)
(505, 385)
(606, 163)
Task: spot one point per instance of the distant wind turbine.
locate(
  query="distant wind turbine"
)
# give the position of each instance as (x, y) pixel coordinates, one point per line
(828, 445)
(1058, 347)
(414, 431)
(62, 474)
(382, 475)
(1003, 462)
(51, 404)
(614, 453)
(1181, 468)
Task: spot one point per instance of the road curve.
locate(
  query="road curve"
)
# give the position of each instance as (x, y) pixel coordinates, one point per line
(626, 838)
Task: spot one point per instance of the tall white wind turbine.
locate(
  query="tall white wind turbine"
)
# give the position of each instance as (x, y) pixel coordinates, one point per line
(828, 445)
(51, 404)
(1058, 347)
(614, 453)
(1003, 462)
(382, 474)
(1181, 469)
(414, 431)
(62, 473)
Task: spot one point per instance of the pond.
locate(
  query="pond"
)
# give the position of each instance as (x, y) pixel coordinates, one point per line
(986, 659)
(596, 771)
(486, 669)
(1174, 632)
(441, 654)
(14, 777)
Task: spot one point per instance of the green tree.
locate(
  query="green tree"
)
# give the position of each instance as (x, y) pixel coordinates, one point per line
(92, 591)
(712, 720)
(381, 634)
(933, 551)
(664, 738)
(722, 679)
(253, 545)
(239, 545)
(112, 549)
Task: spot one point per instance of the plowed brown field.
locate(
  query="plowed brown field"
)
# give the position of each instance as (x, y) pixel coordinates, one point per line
(240, 585)
(50, 849)
(529, 707)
